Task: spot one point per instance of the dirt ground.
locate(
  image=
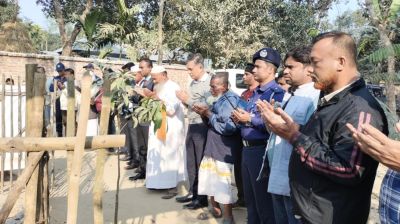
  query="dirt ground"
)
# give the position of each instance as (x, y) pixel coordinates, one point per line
(137, 205)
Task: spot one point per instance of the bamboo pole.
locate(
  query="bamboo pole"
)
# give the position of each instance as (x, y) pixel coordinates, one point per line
(73, 188)
(116, 204)
(19, 121)
(3, 126)
(35, 88)
(71, 119)
(19, 185)
(54, 101)
(43, 190)
(101, 155)
(46, 191)
(11, 130)
(36, 144)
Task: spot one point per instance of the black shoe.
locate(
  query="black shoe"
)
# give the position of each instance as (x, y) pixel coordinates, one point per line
(138, 176)
(196, 204)
(126, 158)
(184, 199)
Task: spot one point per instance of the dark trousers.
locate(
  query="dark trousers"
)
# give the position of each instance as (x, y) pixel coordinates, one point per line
(195, 143)
(258, 200)
(283, 210)
(143, 140)
(131, 139)
(111, 125)
(59, 123)
(238, 175)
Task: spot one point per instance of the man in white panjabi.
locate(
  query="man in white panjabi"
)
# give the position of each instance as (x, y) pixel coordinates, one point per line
(165, 156)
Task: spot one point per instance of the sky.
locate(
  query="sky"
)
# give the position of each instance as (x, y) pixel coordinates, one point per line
(33, 12)
(29, 10)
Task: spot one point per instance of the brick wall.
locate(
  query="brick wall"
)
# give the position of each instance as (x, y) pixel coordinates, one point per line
(13, 64)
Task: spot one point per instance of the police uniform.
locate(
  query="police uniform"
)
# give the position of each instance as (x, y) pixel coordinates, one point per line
(255, 136)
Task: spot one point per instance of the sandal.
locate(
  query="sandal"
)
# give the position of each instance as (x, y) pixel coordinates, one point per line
(203, 216)
(215, 213)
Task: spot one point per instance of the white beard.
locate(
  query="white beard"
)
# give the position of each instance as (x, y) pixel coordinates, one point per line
(159, 87)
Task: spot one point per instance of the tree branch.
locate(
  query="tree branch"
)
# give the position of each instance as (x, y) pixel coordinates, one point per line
(60, 21)
(89, 6)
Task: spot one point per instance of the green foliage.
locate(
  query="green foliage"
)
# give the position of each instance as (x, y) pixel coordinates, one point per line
(122, 31)
(8, 11)
(293, 25)
(70, 8)
(394, 10)
(104, 52)
(148, 109)
(381, 54)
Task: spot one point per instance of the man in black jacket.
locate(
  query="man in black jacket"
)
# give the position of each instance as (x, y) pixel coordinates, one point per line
(147, 85)
(330, 178)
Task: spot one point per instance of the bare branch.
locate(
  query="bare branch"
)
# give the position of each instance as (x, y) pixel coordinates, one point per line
(60, 20)
(89, 6)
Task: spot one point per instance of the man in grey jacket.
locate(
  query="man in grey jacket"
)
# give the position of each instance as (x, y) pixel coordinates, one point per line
(197, 131)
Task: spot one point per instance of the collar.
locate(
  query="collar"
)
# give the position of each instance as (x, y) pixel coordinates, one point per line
(265, 87)
(337, 95)
(147, 78)
(304, 88)
(202, 79)
(328, 97)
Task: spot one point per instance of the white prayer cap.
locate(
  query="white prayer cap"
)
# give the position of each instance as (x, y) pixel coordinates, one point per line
(158, 69)
(135, 68)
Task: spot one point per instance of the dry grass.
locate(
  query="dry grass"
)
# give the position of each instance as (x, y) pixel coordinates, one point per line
(14, 37)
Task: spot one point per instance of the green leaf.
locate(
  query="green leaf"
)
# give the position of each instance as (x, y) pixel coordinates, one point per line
(157, 120)
(135, 121)
(383, 53)
(394, 10)
(126, 100)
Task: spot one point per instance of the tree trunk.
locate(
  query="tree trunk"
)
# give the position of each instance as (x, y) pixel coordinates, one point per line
(390, 88)
(68, 42)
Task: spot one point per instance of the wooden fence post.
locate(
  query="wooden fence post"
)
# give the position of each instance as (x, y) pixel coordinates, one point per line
(35, 88)
(101, 154)
(73, 188)
(71, 119)
(19, 186)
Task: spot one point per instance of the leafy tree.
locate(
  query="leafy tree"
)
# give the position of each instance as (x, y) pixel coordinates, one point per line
(384, 16)
(42, 39)
(122, 31)
(66, 11)
(8, 11)
(293, 25)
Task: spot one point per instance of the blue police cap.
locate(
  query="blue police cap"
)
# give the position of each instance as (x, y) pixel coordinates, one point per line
(269, 55)
(60, 67)
(89, 66)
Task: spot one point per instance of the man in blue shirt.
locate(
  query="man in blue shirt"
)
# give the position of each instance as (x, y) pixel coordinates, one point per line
(255, 135)
(300, 106)
(60, 79)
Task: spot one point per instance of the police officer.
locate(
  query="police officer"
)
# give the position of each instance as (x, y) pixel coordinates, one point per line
(255, 135)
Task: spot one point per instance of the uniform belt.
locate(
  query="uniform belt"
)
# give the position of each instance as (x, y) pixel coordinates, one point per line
(251, 143)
